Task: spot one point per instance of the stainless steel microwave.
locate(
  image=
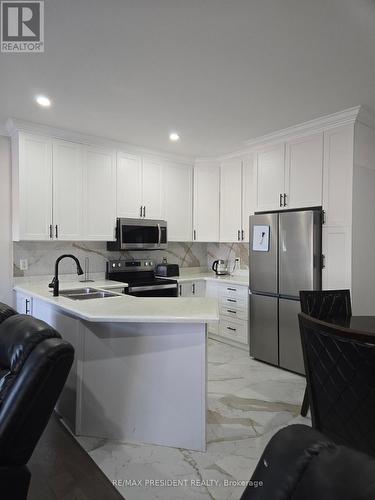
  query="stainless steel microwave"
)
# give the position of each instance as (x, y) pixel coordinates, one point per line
(139, 234)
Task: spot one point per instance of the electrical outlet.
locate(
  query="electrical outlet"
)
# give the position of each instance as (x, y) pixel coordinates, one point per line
(24, 265)
(238, 262)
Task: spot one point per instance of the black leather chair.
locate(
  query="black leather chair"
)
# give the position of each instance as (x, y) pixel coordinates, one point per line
(340, 374)
(34, 365)
(324, 305)
(6, 311)
(300, 463)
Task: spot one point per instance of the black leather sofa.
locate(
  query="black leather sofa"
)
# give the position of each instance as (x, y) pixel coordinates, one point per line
(300, 463)
(34, 365)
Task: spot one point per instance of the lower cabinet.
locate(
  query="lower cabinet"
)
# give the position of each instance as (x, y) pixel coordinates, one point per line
(24, 303)
(233, 312)
(191, 288)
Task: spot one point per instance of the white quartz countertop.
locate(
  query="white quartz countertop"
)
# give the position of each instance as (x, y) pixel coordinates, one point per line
(240, 279)
(125, 308)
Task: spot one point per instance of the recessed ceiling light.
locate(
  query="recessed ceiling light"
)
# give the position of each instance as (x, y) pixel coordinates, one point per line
(43, 101)
(173, 136)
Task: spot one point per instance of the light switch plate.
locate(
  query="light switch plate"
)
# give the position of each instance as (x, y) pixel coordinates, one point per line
(24, 265)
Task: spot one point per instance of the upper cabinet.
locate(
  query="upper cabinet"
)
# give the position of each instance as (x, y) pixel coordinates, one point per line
(206, 202)
(152, 189)
(178, 201)
(32, 187)
(304, 172)
(139, 187)
(129, 186)
(270, 178)
(62, 190)
(237, 198)
(231, 201)
(68, 172)
(338, 175)
(99, 194)
(290, 175)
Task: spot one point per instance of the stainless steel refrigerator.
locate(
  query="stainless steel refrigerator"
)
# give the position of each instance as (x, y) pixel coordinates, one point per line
(285, 257)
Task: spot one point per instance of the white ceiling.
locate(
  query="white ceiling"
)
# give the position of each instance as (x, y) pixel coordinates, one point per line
(217, 71)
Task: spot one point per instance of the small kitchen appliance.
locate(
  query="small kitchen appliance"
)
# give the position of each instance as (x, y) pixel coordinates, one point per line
(220, 267)
(166, 269)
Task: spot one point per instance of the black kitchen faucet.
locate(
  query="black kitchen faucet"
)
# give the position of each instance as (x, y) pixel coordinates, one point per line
(55, 282)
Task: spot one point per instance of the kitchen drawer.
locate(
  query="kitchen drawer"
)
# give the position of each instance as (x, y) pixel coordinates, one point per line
(236, 302)
(236, 291)
(233, 312)
(235, 330)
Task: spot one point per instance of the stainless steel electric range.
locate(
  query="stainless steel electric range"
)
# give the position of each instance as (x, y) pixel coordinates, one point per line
(140, 276)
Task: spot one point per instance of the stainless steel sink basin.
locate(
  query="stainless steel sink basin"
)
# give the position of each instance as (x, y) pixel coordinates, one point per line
(86, 293)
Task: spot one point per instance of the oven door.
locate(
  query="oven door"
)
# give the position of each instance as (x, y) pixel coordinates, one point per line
(169, 290)
(138, 234)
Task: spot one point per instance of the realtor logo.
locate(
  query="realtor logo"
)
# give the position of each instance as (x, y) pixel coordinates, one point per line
(22, 26)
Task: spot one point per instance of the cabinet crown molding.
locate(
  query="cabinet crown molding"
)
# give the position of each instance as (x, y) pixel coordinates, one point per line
(14, 125)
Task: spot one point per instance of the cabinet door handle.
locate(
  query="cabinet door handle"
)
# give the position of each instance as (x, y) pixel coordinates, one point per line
(194, 235)
(242, 235)
(232, 289)
(285, 203)
(232, 329)
(57, 231)
(144, 211)
(231, 300)
(231, 311)
(27, 308)
(281, 200)
(140, 212)
(238, 235)
(180, 290)
(193, 288)
(50, 232)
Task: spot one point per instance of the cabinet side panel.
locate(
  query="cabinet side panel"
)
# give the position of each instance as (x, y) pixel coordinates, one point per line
(363, 240)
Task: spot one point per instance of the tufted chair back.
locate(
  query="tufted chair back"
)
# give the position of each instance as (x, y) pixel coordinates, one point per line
(326, 304)
(340, 373)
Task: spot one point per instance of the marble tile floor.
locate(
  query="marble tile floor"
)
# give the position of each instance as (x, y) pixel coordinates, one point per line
(248, 402)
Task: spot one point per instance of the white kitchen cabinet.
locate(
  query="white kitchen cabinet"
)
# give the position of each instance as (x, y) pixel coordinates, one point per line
(248, 194)
(99, 194)
(152, 189)
(206, 202)
(338, 175)
(139, 187)
(237, 198)
(178, 201)
(231, 200)
(304, 172)
(233, 313)
(68, 169)
(24, 303)
(270, 178)
(32, 187)
(336, 247)
(194, 288)
(129, 186)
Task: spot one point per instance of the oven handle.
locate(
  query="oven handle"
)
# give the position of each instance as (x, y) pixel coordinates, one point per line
(150, 287)
(159, 235)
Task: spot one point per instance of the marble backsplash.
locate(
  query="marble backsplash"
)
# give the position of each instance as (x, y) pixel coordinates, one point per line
(41, 255)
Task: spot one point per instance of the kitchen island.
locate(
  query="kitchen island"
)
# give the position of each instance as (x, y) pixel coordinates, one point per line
(140, 369)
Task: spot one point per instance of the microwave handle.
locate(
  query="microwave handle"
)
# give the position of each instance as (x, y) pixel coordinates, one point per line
(159, 235)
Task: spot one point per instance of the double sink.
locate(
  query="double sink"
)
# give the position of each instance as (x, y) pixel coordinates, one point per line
(86, 293)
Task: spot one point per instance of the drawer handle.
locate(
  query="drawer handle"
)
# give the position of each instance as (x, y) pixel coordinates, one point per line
(231, 300)
(232, 289)
(232, 329)
(231, 311)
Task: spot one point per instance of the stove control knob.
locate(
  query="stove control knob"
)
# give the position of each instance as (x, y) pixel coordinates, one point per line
(146, 264)
(113, 265)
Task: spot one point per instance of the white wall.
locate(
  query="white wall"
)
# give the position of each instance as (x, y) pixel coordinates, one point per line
(6, 258)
